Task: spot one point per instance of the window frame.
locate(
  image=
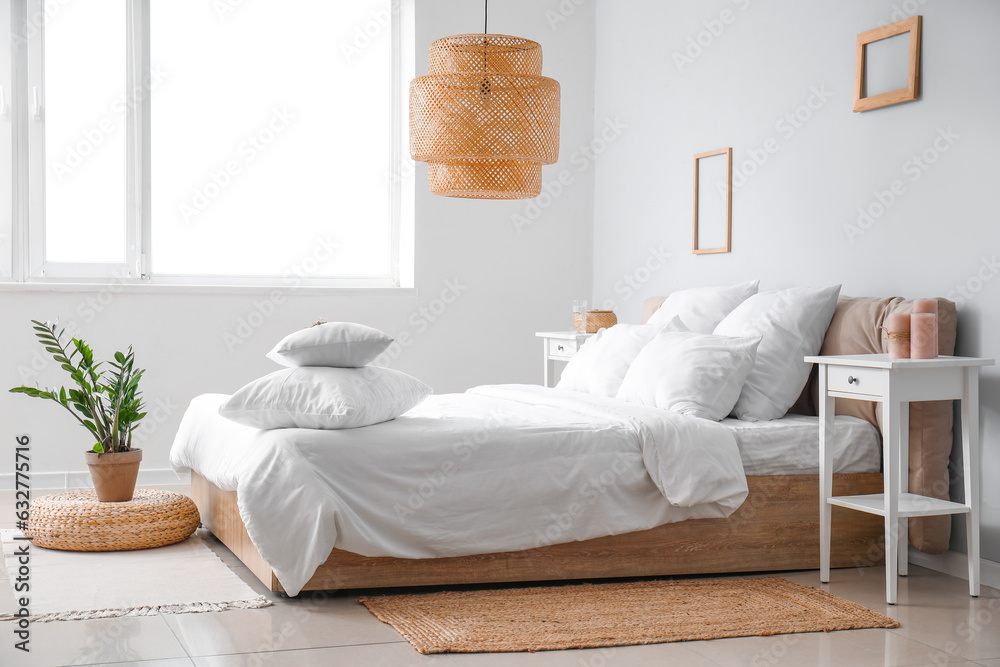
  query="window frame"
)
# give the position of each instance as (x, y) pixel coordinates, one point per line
(29, 265)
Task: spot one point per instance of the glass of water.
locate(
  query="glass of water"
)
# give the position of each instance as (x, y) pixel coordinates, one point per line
(580, 316)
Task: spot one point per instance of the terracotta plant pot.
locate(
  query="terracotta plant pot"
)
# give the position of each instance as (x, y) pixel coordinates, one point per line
(114, 474)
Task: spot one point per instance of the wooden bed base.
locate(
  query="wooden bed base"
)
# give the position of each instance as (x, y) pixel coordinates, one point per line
(777, 528)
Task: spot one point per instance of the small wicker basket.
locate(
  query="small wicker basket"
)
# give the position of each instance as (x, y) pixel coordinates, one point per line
(596, 319)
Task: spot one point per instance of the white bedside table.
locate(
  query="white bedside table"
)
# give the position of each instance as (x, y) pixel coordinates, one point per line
(558, 346)
(873, 377)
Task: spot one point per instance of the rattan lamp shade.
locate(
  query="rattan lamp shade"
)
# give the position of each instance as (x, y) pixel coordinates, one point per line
(484, 119)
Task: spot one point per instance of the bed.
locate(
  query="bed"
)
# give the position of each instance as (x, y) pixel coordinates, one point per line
(716, 519)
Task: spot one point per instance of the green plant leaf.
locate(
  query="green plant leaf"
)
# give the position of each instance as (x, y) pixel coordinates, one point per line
(98, 448)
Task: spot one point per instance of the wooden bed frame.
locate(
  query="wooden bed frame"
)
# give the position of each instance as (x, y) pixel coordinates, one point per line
(776, 528)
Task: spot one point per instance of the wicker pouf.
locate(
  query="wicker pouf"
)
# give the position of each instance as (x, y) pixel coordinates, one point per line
(76, 521)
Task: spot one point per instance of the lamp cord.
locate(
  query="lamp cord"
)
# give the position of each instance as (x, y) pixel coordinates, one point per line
(484, 85)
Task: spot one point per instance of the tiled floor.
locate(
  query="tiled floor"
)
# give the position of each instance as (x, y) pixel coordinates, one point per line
(941, 625)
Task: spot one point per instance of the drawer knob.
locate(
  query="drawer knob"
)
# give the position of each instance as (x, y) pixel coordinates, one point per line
(851, 379)
(559, 347)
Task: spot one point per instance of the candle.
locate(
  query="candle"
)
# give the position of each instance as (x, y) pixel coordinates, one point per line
(924, 335)
(925, 306)
(898, 333)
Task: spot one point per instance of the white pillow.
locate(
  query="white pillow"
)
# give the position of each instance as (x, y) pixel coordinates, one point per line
(692, 373)
(600, 364)
(324, 398)
(337, 344)
(792, 324)
(702, 308)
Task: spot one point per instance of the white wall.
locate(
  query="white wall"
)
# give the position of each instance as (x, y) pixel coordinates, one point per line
(789, 216)
(513, 283)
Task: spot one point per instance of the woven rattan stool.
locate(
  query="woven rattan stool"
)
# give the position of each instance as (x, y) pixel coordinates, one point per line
(76, 521)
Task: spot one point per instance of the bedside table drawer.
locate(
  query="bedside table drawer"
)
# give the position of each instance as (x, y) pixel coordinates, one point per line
(854, 380)
(562, 349)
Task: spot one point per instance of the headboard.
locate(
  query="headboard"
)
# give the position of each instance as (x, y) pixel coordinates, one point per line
(855, 330)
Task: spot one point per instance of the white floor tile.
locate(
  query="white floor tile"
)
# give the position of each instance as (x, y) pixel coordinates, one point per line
(372, 655)
(93, 642)
(290, 624)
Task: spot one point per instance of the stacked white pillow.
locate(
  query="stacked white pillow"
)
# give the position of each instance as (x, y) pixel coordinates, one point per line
(334, 344)
(710, 352)
(601, 363)
(700, 309)
(792, 324)
(692, 373)
(328, 385)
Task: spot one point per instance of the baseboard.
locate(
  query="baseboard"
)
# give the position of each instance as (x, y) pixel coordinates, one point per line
(957, 565)
(75, 479)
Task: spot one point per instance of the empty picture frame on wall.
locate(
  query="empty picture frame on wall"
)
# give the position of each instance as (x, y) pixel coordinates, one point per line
(863, 99)
(713, 201)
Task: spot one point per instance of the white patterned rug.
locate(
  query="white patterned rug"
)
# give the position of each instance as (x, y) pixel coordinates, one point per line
(70, 585)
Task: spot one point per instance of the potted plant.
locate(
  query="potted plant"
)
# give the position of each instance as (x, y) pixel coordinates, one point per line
(107, 402)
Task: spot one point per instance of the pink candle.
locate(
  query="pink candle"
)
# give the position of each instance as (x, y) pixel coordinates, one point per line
(925, 306)
(898, 334)
(924, 336)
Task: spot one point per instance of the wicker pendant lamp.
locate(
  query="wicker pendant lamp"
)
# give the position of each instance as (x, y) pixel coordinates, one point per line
(484, 119)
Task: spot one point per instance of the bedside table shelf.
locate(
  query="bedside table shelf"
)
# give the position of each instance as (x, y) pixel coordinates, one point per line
(895, 383)
(910, 504)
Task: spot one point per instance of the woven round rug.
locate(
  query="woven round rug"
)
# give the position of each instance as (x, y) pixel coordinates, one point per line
(77, 521)
(546, 618)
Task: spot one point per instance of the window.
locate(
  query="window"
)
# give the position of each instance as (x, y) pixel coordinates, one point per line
(6, 151)
(226, 142)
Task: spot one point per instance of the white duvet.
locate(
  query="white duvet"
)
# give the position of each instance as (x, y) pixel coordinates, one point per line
(499, 468)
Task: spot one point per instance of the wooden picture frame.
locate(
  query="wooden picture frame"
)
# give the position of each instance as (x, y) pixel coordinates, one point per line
(911, 25)
(728, 152)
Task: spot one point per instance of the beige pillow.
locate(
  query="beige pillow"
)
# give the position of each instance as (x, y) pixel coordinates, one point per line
(855, 330)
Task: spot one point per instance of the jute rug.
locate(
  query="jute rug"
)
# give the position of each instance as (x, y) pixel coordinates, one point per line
(70, 585)
(615, 614)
